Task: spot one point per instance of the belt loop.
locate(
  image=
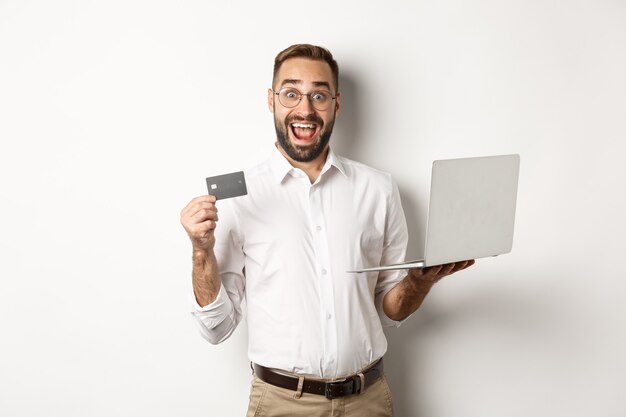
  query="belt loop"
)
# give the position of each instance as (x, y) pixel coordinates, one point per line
(362, 386)
(298, 393)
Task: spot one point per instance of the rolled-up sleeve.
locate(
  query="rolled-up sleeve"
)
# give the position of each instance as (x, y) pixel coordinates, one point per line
(217, 321)
(394, 251)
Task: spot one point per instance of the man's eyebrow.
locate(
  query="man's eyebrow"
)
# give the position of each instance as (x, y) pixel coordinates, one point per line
(290, 81)
(322, 84)
(296, 81)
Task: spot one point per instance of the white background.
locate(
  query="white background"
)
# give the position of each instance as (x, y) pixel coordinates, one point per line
(113, 112)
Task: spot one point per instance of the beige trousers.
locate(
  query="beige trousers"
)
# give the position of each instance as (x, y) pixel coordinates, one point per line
(270, 401)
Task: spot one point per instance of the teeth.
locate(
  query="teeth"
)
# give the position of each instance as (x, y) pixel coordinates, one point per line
(303, 126)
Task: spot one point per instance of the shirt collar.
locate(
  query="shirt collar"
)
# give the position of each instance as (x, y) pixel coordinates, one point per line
(281, 167)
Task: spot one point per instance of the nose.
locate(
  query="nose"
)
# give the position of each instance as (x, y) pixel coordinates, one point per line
(305, 106)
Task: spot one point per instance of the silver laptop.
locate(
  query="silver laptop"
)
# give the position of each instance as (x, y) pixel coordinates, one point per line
(471, 213)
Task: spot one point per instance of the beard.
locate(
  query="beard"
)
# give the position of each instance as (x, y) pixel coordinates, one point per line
(303, 153)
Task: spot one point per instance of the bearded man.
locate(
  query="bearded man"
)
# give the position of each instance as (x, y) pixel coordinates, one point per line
(316, 338)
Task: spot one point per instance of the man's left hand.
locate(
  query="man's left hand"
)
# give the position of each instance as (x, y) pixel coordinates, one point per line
(408, 295)
(430, 275)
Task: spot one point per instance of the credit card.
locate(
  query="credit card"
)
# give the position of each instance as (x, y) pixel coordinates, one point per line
(227, 185)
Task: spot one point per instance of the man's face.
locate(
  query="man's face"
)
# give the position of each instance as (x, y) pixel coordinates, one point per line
(303, 131)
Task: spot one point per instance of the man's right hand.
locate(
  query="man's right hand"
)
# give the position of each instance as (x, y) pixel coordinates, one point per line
(199, 219)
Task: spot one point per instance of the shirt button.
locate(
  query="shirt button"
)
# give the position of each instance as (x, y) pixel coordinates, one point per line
(329, 316)
(323, 272)
(318, 228)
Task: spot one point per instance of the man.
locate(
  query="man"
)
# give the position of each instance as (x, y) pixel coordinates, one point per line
(315, 331)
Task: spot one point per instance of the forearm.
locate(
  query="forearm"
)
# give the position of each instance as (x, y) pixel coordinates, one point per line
(205, 277)
(216, 310)
(406, 297)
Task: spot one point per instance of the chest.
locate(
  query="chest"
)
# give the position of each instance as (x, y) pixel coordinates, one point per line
(289, 216)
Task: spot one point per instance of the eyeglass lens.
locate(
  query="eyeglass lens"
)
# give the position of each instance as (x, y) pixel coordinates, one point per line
(290, 97)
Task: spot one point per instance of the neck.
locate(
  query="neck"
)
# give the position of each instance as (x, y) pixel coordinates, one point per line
(312, 168)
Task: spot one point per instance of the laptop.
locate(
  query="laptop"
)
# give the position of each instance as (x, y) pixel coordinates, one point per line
(471, 212)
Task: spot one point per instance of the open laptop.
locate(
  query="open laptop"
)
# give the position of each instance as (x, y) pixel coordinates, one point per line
(471, 213)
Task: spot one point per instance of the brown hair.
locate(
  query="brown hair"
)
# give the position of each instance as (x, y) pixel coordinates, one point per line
(305, 50)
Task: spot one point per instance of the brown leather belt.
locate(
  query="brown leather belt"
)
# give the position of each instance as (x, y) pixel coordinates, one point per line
(331, 389)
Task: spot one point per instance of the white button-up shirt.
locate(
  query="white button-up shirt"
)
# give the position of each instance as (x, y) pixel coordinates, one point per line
(285, 248)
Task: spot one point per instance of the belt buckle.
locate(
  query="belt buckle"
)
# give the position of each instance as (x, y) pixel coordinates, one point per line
(355, 386)
(327, 392)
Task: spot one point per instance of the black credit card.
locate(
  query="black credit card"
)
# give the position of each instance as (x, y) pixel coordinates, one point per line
(227, 185)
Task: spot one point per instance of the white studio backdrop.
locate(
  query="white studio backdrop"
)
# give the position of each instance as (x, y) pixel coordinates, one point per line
(112, 113)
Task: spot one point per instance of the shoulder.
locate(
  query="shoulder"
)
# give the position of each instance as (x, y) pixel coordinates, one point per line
(262, 183)
(261, 169)
(260, 176)
(360, 172)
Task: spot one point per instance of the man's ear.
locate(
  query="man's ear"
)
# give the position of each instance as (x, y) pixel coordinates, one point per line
(270, 99)
(337, 102)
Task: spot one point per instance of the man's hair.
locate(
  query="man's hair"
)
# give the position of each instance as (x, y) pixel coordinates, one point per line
(305, 50)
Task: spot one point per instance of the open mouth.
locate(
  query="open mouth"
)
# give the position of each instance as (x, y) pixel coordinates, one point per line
(304, 131)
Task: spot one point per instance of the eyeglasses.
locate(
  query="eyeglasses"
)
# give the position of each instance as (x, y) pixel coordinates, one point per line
(290, 97)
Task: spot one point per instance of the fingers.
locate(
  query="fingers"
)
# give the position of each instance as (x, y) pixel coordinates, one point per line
(467, 264)
(451, 268)
(201, 230)
(459, 266)
(196, 203)
(433, 274)
(202, 213)
(199, 210)
(430, 274)
(199, 218)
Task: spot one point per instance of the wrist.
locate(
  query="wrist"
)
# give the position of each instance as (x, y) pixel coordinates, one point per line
(202, 253)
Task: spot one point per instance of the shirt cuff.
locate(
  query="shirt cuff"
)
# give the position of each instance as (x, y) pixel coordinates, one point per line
(212, 314)
(384, 319)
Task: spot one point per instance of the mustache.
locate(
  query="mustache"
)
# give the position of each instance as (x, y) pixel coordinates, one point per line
(310, 118)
